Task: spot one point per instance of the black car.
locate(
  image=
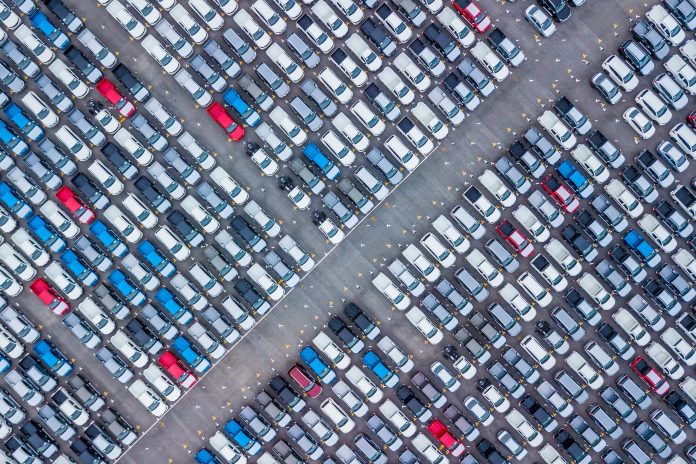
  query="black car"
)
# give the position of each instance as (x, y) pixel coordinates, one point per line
(684, 11)
(489, 452)
(409, 399)
(90, 191)
(285, 392)
(673, 218)
(579, 242)
(378, 37)
(242, 227)
(442, 41)
(637, 57)
(85, 453)
(615, 340)
(652, 40)
(361, 320)
(605, 149)
(184, 227)
(661, 296)
(152, 194)
(249, 293)
(67, 17)
(537, 411)
(343, 332)
(594, 229)
(143, 336)
(639, 184)
(572, 115)
(116, 157)
(128, 79)
(38, 439)
(559, 9)
(681, 407)
(572, 447)
(83, 64)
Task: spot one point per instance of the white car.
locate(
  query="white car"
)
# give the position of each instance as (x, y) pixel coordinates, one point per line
(142, 213)
(430, 452)
(592, 164)
(679, 345)
(265, 163)
(9, 284)
(283, 120)
(497, 188)
(9, 18)
(63, 281)
(337, 415)
(160, 54)
(60, 220)
(620, 73)
(327, 227)
(411, 71)
(73, 143)
(27, 38)
(301, 257)
(229, 452)
(393, 22)
(350, 10)
(141, 274)
(258, 274)
(336, 86)
(229, 6)
(26, 186)
(397, 418)
(537, 351)
(514, 298)
(316, 34)
(665, 362)
(402, 153)
(639, 122)
(596, 291)
(269, 225)
(540, 20)
(495, 398)
(558, 129)
(558, 251)
(364, 52)
(686, 261)
(123, 225)
(68, 78)
(150, 14)
(427, 118)
(161, 382)
(230, 186)
(286, 64)
(400, 358)
(190, 294)
(418, 260)
(206, 280)
(490, 61)
(531, 223)
(484, 207)
(418, 139)
(451, 234)
(624, 197)
(133, 147)
(194, 30)
(396, 86)
(654, 107)
(46, 116)
(202, 156)
(96, 316)
(270, 18)
(534, 289)
(682, 72)
(368, 118)
(448, 380)
(629, 324)
(105, 119)
(406, 277)
(209, 16)
(172, 243)
(666, 24)
(439, 251)
(195, 210)
(456, 26)
(101, 53)
(129, 349)
(522, 426)
(363, 383)
(685, 137)
(201, 96)
(450, 109)
(478, 410)
(339, 149)
(398, 298)
(549, 273)
(345, 127)
(350, 68)
(583, 369)
(240, 316)
(332, 351)
(330, 19)
(134, 27)
(657, 232)
(485, 268)
(420, 321)
(164, 117)
(16, 262)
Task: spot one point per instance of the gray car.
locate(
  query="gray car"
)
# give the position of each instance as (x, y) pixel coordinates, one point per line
(185, 170)
(209, 75)
(359, 199)
(10, 78)
(303, 51)
(56, 422)
(85, 392)
(221, 325)
(159, 322)
(272, 80)
(86, 128)
(542, 146)
(569, 325)
(260, 97)
(618, 404)
(306, 115)
(521, 365)
(501, 255)
(382, 102)
(81, 330)
(227, 63)
(476, 77)
(609, 213)
(366, 447)
(42, 171)
(305, 441)
(257, 423)
(215, 200)
(613, 278)
(381, 162)
(384, 432)
(58, 158)
(652, 439)
(116, 366)
(346, 216)
(670, 91)
(545, 208)
(323, 101)
(239, 46)
(593, 439)
(605, 422)
(281, 269)
(574, 389)
(506, 380)
(472, 286)
(513, 175)
(118, 427)
(22, 61)
(677, 283)
(636, 453)
(459, 301)
(177, 42)
(311, 180)
(504, 319)
(432, 305)
(273, 409)
(149, 133)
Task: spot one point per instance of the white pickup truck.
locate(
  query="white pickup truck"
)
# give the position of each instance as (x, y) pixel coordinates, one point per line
(490, 61)
(396, 354)
(688, 385)
(148, 398)
(558, 130)
(665, 361)
(682, 72)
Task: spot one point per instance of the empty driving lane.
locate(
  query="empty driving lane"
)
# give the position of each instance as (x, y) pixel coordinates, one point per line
(559, 65)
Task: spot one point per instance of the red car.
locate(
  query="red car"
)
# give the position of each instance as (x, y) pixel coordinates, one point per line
(560, 193)
(308, 384)
(514, 237)
(222, 117)
(438, 430)
(475, 15)
(692, 119)
(109, 91)
(76, 206)
(650, 376)
(176, 369)
(50, 297)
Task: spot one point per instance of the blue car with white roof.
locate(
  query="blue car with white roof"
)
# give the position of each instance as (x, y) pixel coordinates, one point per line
(641, 248)
(242, 438)
(13, 201)
(373, 362)
(575, 179)
(27, 125)
(78, 268)
(46, 233)
(248, 114)
(191, 355)
(47, 28)
(316, 156)
(108, 239)
(51, 356)
(317, 365)
(127, 288)
(173, 306)
(13, 141)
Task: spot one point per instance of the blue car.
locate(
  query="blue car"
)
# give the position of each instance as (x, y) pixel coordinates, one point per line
(13, 141)
(316, 156)
(126, 288)
(191, 355)
(173, 306)
(47, 28)
(248, 114)
(156, 259)
(203, 456)
(13, 202)
(317, 365)
(79, 268)
(46, 234)
(53, 358)
(242, 438)
(575, 179)
(641, 248)
(108, 239)
(5, 364)
(27, 125)
(372, 361)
